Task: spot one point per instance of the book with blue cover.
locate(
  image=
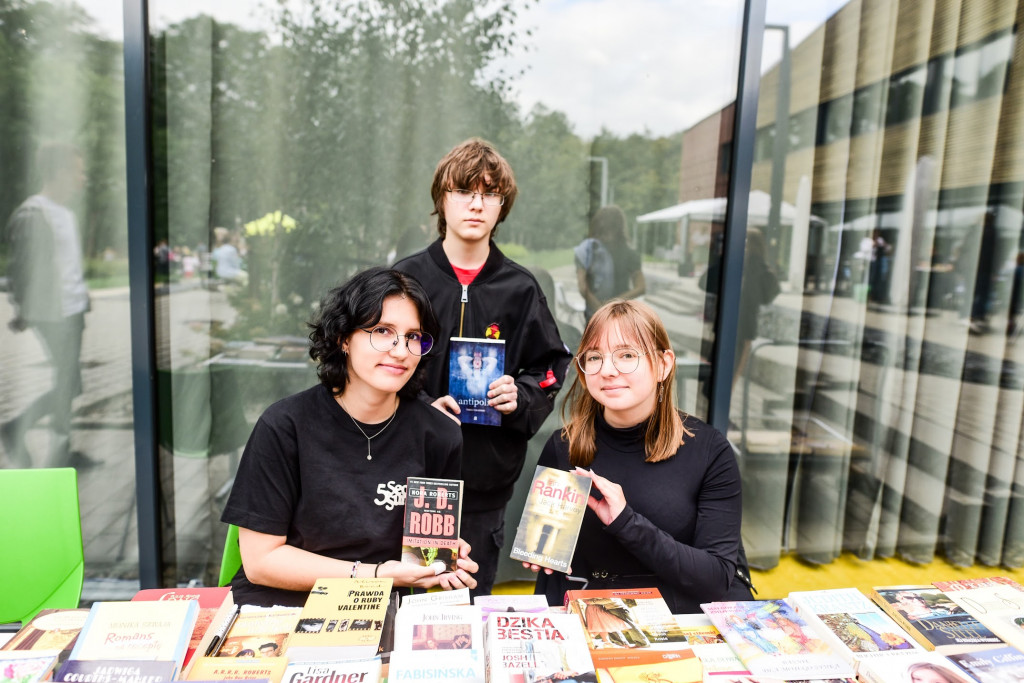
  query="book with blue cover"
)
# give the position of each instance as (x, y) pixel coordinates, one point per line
(473, 363)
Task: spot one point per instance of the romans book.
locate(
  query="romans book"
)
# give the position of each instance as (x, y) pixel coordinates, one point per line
(933, 619)
(552, 515)
(342, 619)
(473, 363)
(215, 604)
(433, 510)
(772, 640)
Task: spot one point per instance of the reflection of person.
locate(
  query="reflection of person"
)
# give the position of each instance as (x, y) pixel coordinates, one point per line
(315, 493)
(477, 292)
(668, 509)
(760, 287)
(926, 672)
(606, 267)
(227, 259)
(50, 296)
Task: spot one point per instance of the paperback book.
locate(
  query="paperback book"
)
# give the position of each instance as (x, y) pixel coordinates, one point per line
(537, 647)
(551, 520)
(259, 632)
(902, 667)
(50, 629)
(473, 363)
(114, 671)
(435, 666)
(342, 619)
(433, 510)
(215, 605)
(933, 619)
(26, 666)
(771, 640)
(510, 603)
(997, 602)
(433, 628)
(438, 598)
(854, 626)
(238, 669)
(334, 671)
(997, 665)
(154, 631)
(719, 661)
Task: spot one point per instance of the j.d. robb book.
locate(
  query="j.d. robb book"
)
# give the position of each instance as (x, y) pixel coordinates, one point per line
(473, 363)
(551, 519)
(433, 510)
(342, 619)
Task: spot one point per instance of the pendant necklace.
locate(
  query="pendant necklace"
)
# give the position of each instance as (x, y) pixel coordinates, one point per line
(368, 437)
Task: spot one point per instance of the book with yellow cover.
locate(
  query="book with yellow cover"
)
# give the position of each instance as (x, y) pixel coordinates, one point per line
(259, 632)
(342, 619)
(238, 669)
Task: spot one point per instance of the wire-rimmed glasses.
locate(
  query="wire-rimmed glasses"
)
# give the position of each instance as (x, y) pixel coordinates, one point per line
(384, 339)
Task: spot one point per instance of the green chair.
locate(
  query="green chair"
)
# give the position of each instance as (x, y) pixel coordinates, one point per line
(41, 537)
(231, 560)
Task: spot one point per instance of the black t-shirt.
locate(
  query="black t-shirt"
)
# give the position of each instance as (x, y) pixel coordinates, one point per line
(304, 475)
(680, 530)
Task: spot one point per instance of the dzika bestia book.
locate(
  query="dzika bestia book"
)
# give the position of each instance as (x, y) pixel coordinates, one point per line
(551, 519)
(473, 363)
(433, 511)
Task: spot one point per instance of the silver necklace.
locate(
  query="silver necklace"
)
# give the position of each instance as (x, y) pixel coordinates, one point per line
(368, 437)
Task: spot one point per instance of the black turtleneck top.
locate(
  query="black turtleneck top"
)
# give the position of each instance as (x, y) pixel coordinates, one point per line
(680, 529)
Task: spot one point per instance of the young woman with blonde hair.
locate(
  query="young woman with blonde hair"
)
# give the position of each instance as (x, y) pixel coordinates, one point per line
(665, 502)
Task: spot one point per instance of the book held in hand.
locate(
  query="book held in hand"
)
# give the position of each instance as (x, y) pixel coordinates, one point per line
(474, 363)
(342, 619)
(433, 511)
(552, 515)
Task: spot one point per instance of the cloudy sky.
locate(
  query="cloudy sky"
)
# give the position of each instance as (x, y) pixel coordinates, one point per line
(643, 65)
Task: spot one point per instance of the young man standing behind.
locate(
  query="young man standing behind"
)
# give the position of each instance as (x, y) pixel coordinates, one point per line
(477, 292)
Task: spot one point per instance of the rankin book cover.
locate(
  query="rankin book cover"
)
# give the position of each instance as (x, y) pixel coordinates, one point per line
(551, 519)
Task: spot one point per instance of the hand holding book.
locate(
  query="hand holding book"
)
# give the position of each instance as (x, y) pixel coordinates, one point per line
(503, 395)
(607, 501)
(419, 576)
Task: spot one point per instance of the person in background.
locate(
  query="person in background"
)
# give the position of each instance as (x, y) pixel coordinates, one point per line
(227, 260)
(320, 488)
(665, 503)
(477, 292)
(606, 266)
(48, 290)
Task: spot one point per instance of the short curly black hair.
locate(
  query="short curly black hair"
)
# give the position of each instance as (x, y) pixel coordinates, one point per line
(357, 305)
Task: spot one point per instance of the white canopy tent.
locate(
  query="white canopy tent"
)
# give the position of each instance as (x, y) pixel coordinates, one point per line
(758, 209)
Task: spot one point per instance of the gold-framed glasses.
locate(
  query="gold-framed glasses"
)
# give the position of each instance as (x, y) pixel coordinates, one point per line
(624, 360)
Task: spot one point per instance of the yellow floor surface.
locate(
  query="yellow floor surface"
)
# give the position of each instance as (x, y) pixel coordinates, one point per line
(792, 574)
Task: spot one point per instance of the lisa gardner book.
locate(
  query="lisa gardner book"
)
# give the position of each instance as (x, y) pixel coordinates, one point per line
(473, 363)
(552, 515)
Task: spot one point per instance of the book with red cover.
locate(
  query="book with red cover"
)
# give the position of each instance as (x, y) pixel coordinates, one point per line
(433, 511)
(215, 606)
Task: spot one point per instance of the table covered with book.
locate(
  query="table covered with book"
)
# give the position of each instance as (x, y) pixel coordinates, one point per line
(360, 631)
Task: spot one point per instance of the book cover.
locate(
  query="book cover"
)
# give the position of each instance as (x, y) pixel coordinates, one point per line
(50, 629)
(473, 363)
(537, 647)
(903, 666)
(215, 604)
(259, 631)
(459, 596)
(510, 603)
(997, 602)
(771, 640)
(155, 631)
(334, 671)
(342, 619)
(238, 669)
(20, 666)
(854, 626)
(552, 515)
(997, 665)
(433, 510)
(114, 671)
(931, 618)
(458, 627)
(430, 666)
(626, 619)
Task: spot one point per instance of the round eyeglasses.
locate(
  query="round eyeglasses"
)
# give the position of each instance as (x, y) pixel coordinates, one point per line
(623, 360)
(384, 339)
(467, 196)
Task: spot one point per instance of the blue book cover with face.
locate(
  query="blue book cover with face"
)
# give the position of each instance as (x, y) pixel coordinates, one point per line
(473, 364)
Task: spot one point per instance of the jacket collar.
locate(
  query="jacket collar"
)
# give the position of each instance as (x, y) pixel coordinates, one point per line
(495, 260)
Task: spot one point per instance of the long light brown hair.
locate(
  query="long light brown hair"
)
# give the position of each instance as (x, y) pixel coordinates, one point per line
(638, 324)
